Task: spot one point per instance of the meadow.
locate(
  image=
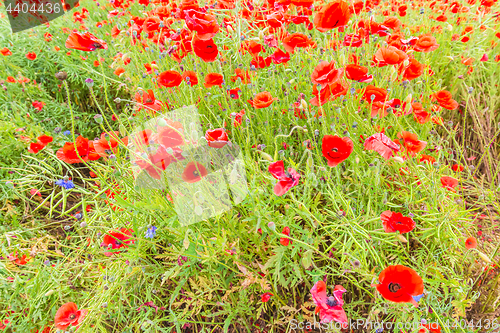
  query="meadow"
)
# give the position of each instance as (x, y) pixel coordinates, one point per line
(251, 166)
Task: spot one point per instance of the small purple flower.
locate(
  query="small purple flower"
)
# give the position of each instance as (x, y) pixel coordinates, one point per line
(151, 232)
(89, 82)
(66, 184)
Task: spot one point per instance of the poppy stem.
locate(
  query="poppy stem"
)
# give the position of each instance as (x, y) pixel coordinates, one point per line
(285, 136)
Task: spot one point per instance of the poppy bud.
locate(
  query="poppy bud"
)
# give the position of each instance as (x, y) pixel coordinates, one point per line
(399, 159)
(408, 99)
(394, 74)
(50, 292)
(342, 59)
(484, 257)
(303, 103)
(266, 156)
(61, 76)
(162, 122)
(261, 35)
(98, 118)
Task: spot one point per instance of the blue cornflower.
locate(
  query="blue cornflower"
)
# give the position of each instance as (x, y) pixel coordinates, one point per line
(67, 132)
(151, 232)
(67, 184)
(417, 298)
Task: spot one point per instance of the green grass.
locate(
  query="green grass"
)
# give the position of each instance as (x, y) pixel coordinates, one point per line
(209, 276)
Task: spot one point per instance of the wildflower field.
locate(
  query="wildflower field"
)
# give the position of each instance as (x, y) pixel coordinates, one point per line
(250, 166)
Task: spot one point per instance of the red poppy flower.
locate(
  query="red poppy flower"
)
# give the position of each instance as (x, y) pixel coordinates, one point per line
(427, 159)
(80, 151)
(426, 43)
(169, 79)
(325, 73)
(84, 41)
(437, 120)
(413, 70)
(280, 57)
(142, 138)
(295, 40)
(328, 93)
(449, 183)
(204, 24)
(374, 94)
(18, 260)
(357, 73)
(234, 93)
(35, 147)
(332, 15)
(69, 315)
(31, 55)
(382, 145)
(396, 222)
(252, 47)
(194, 172)
(266, 297)
(170, 136)
(45, 139)
(238, 118)
(260, 62)
(392, 23)
(470, 243)
(284, 240)
(38, 105)
(354, 40)
(114, 240)
(400, 284)
(419, 114)
(286, 179)
(5, 52)
(411, 142)
(190, 77)
(336, 149)
(456, 167)
(213, 79)
(119, 71)
(329, 308)
(108, 143)
(243, 76)
(444, 99)
(216, 138)
(159, 161)
(205, 49)
(262, 100)
(391, 55)
(147, 101)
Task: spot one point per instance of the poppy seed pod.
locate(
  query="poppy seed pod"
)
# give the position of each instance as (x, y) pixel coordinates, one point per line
(61, 76)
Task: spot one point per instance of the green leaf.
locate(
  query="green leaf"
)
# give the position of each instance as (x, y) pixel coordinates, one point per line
(227, 322)
(307, 259)
(186, 242)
